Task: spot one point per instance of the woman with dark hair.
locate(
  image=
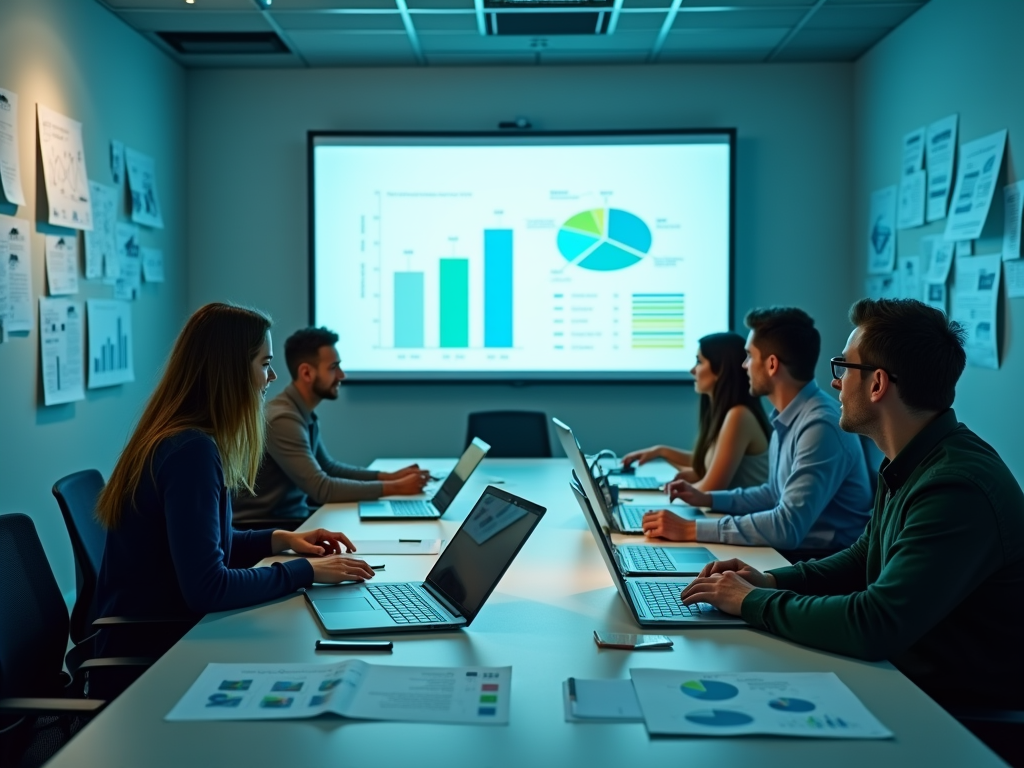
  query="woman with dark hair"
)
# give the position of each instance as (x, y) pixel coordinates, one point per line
(732, 437)
(170, 548)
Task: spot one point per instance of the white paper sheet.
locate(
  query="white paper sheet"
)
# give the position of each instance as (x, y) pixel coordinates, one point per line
(62, 264)
(101, 241)
(1014, 271)
(941, 153)
(980, 161)
(352, 689)
(883, 286)
(911, 203)
(882, 231)
(975, 304)
(804, 704)
(939, 258)
(10, 166)
(1013, 206)
(911, 277)
(111, 359)
(60, 342)
(913, 151)
(142, 184)
(606, 701)
(117, 162)
(18, 263)
(935, 294)
(129, 261)
(67, 183)
(4, 298)
(152, 265)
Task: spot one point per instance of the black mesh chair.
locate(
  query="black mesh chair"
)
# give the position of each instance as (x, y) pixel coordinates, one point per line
(76, 496)
(511, 434)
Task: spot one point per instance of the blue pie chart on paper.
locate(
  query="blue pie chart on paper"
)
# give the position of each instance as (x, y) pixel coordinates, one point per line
(604, 239)
(719, 718)
(791, 705)
(709, 690)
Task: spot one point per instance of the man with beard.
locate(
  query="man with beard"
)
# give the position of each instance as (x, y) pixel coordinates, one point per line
(935, 583)
(818, 496)
(297, 473)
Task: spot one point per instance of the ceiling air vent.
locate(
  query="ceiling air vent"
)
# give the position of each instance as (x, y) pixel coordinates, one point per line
(541, 18)
(224, 42)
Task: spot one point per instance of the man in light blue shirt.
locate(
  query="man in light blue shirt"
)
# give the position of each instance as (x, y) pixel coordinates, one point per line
(818, 495)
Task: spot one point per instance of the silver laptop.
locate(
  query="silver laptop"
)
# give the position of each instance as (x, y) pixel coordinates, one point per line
(398, 509)
(653, 602)
(628, 481)
(621, 518)
(455, 589)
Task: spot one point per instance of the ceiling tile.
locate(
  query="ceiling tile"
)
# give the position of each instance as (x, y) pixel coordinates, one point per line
(819, 54)
(823, 39)
(293, 20)
(748, 19)
(200, 6)
(630, 4)
(861, 16)
(723, 39)
(593, 57)
(777, 4)
(461, 5)
(480, 59)
(327, 5)
(713, 57)
(186, 21)
(446, 22)
(630, 21)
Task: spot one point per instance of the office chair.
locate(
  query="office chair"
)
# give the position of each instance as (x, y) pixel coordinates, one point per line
(511, 434)
(40, 704)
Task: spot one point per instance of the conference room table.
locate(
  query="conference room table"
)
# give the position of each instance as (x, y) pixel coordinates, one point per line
(540, 620)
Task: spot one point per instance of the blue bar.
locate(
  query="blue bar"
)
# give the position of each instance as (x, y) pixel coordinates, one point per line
(409, 310)
(497, 287)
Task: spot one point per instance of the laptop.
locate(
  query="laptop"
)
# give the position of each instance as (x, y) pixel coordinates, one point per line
(632, 482)
(621, 518)
(654, 603)
(455, 589)
(400, 509)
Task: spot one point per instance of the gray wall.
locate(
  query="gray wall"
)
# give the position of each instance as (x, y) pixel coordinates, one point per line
(247, 210)
(951, 56)
(77, 58)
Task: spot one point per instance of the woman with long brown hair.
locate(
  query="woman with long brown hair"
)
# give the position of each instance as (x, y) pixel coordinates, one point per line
(171, 550)
(732, 435)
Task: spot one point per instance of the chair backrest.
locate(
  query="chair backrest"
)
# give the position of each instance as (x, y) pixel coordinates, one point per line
(511, 434)
(76, 496)
(33, 617)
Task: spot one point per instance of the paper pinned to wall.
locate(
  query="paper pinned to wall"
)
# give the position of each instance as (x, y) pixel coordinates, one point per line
(882, 231)
(935, 294)
(1014, 271)
(153, 265)
(975, 305)
(10, 166)
(111, 356)
(18, 263)
(4, 299)
(129, 259)
(142, 184)
(913, 152)
(964, 248)
(910, 277)
(883, 286)
(117, 161)
(1013, 205)
(980, 161)
(911, 202)
(101, 241)
(936, 258)
(941, 151)
(62, 264)
(60, 341)
(67, 183)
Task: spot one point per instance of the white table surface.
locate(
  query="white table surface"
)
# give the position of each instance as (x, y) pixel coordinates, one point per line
(540, 620)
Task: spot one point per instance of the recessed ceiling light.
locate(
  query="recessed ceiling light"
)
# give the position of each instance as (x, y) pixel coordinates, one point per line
(190, 2)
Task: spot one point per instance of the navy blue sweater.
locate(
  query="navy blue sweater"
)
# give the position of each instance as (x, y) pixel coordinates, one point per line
(175, 553)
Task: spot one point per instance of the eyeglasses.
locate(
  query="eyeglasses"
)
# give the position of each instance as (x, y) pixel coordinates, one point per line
(840, 367)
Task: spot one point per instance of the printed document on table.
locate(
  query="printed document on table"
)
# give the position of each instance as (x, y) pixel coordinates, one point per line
(62, 264)
(352, 689)
(142, 185)
(152, 265)
(938, 255)
(111, 359)
(60, 342)
(803, 704)
(67, 183)
(609, 701)
(975, 304)
(10, 167)
(1013, 204)
(101, 241)
(18, 263)
(910, 280)
(977, 172)
(911, 202)
(882, 231)
(129, 262)
(1014, 278)
(941, 149)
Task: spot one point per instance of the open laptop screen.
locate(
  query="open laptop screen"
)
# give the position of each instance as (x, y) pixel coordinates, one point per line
(468, 462)
(483, 548)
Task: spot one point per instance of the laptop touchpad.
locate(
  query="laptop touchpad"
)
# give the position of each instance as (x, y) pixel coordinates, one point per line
(345, 605)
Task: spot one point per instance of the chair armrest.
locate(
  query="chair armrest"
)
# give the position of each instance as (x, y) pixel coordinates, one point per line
(120, 621)
(32, 706)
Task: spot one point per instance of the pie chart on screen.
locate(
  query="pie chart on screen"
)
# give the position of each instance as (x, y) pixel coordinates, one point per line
(604, 239)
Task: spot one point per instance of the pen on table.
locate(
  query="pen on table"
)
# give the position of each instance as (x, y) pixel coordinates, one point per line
(410, 541)
(572, 689)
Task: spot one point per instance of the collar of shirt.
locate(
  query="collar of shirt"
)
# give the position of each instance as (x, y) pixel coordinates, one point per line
(293, 394)
(895, 473)
(781, 420)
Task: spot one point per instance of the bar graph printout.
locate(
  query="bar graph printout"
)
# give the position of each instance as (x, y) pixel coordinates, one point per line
(111, 360)
(60, 342)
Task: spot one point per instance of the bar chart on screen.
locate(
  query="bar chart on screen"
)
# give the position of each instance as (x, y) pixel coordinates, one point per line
(111, 360)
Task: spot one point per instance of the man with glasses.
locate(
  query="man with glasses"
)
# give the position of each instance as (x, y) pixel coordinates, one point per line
(935, 584)
(818, 496)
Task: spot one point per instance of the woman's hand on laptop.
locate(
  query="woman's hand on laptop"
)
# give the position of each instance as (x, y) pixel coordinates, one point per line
(406, 485)
(398, 474)
(680, 489)
(319, 542)
(334, 568)
(642, 456)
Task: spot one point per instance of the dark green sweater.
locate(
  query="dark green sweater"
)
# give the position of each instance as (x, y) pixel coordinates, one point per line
(936, 582)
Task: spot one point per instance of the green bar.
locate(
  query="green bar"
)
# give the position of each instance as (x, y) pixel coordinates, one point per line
(454, 302)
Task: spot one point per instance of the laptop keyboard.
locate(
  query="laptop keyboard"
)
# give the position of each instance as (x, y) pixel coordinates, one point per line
(413, 508)
(639, 483)
(632, 517)
(663, 601)
(649, 558)
(404, 604)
